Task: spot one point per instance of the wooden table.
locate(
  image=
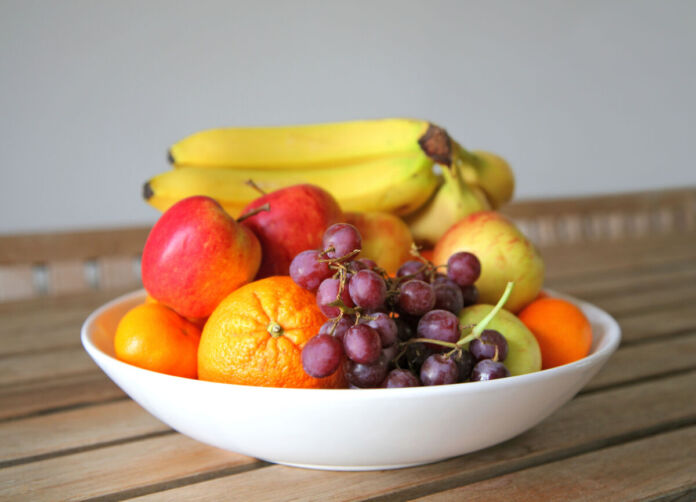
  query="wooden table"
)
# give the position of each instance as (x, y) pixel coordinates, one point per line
(68, 433)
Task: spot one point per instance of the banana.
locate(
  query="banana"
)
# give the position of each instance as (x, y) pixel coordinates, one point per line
(486, 170)
(452, 201)
(305, 146)
(399, 185)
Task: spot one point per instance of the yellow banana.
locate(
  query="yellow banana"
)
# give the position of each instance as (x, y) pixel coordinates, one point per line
(399, 185)
(452, 201)
(305, 146)
(488, 171)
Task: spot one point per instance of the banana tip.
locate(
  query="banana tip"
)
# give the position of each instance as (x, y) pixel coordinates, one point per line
(147, 191)
(170, 157)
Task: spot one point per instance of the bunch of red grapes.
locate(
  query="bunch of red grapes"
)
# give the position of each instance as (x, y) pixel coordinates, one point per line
(394, 332)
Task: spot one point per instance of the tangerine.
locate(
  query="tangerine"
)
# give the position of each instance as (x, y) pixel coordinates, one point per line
(562, 330)
(255, 337)
(154, 337)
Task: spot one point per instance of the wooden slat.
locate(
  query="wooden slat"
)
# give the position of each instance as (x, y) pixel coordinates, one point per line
(115, 468)
(658, 323)
(116, 272)
(16, 282)
(72, 245)
(613, 285)
(41, 340)
(620, 473)
(584, 424)
(577, 261)
(647, 360)
(637, 300)
(56, 392)
(66, 276)
(48, 305)
(80, 428)
(45, 365)
(626, 202)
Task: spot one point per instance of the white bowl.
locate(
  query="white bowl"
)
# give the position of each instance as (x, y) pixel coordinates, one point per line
(348, 429)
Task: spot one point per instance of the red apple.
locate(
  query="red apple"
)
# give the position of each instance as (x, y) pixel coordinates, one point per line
(196, 254)
(295, 222)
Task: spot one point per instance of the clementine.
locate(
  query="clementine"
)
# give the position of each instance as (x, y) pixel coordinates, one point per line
(562, 330)
(154, 337)
(255, 337)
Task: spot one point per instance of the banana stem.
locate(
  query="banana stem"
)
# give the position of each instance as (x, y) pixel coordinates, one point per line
(463, 156)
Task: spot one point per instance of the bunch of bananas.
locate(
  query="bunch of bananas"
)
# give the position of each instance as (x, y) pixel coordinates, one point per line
(371, 165)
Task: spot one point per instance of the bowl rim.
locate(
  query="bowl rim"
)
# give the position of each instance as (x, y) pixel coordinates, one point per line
(611, 339)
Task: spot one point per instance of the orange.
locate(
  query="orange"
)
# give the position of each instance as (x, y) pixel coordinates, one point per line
(428, 255)
(255, 337)
(562, 330)
(156, 338)
(198, 321)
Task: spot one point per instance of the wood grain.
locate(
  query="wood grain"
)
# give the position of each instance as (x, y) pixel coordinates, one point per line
(43, 366)
(115, 468)
(645, 360)
(586, 423)
(78, 428)
(56, 393)
(71, 245)
(618, 474)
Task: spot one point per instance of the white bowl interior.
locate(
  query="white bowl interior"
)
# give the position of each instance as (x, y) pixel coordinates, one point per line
(348, 429)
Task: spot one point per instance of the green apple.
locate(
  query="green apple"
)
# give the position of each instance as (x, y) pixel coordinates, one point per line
(524, 355)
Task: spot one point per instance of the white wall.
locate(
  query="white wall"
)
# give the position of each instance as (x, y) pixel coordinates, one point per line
(581, 96)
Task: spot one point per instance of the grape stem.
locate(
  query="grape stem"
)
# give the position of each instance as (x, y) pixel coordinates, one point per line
(430, 340)
(478, 329)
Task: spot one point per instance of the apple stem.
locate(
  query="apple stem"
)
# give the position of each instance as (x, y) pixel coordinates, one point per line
(253, 185)
(478, 329)
(265, 207)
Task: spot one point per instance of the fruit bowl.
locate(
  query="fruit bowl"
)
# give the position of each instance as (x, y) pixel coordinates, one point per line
(346, 429)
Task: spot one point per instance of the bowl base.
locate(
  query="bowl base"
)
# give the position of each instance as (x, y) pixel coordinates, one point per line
(353, 467)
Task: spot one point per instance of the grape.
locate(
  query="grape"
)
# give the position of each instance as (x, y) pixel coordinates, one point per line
(488, 370)
(465, 362)
(463, 268)
(385, 326)
(327, 293)
(490, 345)
(366, 263)
(405, 329)
(470, 295)
(366, 375)
(439, 325)
(307, 271)
(400, 378)
(367, 290)
(448, 296)
(341, 327)
(390, 353)
(413, 268)
(416, 354)
(416, 297)
(362, 344)
(343, 238)
(439, 370)
(438, 278)
(321, 356)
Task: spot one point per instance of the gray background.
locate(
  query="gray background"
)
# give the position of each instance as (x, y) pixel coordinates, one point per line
(582, 97)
